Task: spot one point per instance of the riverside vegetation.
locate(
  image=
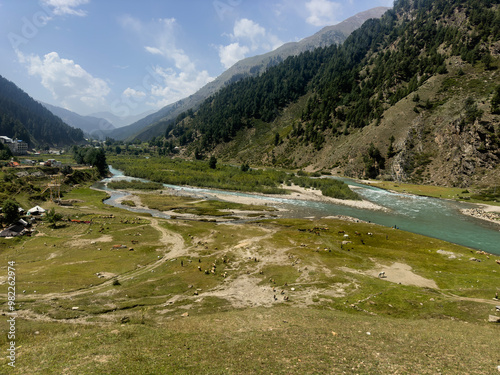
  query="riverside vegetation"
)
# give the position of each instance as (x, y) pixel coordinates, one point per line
(200, 173)
(130, 293)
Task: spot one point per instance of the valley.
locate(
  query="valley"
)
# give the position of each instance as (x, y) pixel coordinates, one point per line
(159, 293)
(329, 205)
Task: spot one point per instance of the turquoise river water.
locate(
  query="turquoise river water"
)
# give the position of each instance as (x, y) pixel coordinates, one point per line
(431, 217)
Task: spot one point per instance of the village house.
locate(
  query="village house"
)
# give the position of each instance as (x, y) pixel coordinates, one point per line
(17, 146)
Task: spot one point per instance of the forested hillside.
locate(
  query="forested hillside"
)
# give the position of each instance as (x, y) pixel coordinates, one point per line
(384, 103)
(154, 124)
(24, 118)
(93, 126)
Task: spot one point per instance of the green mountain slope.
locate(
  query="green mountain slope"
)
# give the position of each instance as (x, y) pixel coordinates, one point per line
(155, 124)
(24, 118)
(412, 96)
(91, 125)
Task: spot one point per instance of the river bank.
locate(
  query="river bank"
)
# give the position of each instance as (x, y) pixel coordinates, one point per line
(484, 212)
(296, 193)
(438, 218)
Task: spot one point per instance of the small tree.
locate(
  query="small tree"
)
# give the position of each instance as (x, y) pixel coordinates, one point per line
(472, 112)
(276, 139)
(390, 150)
(10, 211)
(212, 163)
(52, 217)
(495, 101)
(245, 167)
(66, 170)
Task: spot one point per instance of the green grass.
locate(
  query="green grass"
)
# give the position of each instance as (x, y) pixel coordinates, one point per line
(187, 205)
(282, 340)
(135, 185)
(137, 326)
(468, 195)
(228, 177)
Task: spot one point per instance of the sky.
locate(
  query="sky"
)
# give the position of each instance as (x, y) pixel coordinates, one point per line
(131, 56)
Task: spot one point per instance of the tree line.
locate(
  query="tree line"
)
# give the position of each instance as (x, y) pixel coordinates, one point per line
(24, 118)
(351, 85)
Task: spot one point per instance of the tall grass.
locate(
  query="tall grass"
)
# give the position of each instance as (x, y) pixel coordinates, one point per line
(227, 177)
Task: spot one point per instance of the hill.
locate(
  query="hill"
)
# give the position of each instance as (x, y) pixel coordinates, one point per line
(91, 125)
(121, 121)
(24, 118)
(413, 96)
(154, 124)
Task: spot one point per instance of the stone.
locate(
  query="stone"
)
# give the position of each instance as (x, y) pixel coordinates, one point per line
(494, 319)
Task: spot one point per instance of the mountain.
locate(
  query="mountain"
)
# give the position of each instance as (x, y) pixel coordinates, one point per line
(120, 121)
(24, 118)
(155, 124)
(412, 96)
(94, 127)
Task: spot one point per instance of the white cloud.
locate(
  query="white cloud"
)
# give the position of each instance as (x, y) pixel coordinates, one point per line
(62, 7)
(247, 29)
(178, 77)
(232, 53)
(322, 12)
(131, 23)
(132, 93)
(248, 36)
(67, 81)
(153, 50)
(176, 86)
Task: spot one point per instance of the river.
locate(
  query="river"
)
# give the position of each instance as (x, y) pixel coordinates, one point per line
(431, 217)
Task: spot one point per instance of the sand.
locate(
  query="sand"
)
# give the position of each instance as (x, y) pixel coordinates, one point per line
(399, 273)
(298, 193)
(484, 212)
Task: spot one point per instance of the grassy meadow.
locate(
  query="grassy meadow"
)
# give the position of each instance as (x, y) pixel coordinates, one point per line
(130, 293)
(472, 195)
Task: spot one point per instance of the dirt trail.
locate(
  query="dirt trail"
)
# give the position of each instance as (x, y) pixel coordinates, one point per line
(172, 242)
(470, 299)
(244, 289)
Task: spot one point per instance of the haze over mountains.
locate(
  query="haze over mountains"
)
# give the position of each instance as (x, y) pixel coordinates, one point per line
(97, 125)
(91, 126)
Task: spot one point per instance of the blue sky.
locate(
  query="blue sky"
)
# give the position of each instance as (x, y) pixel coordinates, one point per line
(131, 56)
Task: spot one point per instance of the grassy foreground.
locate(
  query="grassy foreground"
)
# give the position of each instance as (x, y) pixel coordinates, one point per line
(154, 306)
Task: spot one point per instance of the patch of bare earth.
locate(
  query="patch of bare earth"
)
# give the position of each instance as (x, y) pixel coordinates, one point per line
(86, 242)
(399, 273)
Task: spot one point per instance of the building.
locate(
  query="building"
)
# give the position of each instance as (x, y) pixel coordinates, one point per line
(17, 146)
(5, 140)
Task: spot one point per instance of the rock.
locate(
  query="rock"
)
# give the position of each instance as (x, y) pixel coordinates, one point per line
(74, 308)
(494, 319)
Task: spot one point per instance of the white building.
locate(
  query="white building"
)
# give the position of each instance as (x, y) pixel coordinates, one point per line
(18, 147)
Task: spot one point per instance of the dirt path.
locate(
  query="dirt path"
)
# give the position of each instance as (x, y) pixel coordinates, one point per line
(244, 290)
(173, 247)
(470, 299)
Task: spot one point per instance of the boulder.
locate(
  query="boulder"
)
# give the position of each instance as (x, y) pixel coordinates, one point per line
(494, 319)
